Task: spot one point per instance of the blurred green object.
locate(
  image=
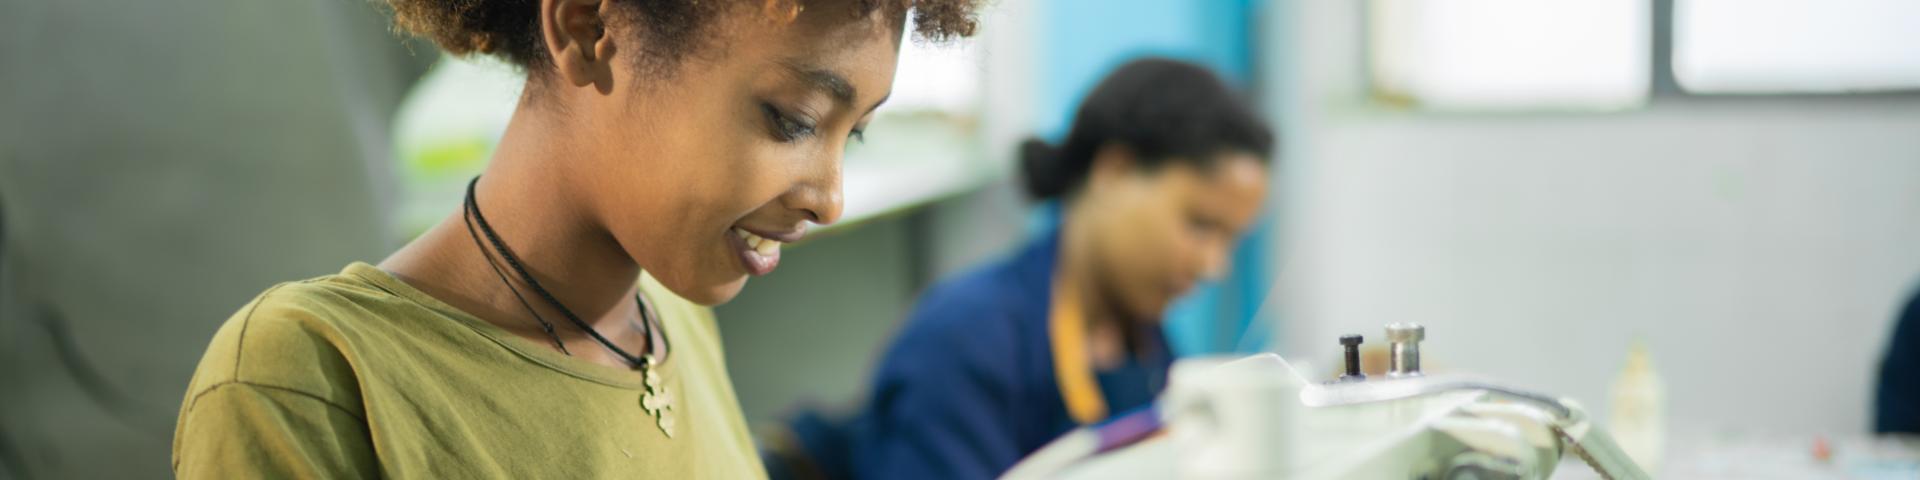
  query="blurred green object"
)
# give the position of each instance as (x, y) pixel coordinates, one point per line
(444, 132)
(451, 158)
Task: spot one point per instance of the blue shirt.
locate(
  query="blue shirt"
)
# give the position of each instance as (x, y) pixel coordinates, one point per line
(968, 388)
(1897, 400)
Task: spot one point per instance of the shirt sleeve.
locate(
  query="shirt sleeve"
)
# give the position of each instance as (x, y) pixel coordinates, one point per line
(942, 408)
(245, 430)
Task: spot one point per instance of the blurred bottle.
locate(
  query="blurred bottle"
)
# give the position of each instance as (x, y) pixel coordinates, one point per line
(1638, 417)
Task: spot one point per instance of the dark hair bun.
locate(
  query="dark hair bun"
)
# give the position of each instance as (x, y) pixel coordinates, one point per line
(1041, 172)
(1162, 111)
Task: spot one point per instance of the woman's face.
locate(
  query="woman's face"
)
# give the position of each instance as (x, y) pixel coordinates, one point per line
(1161, 231)
(701, 170)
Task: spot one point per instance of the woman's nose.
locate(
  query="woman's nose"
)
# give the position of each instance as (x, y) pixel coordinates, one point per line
(818, 195)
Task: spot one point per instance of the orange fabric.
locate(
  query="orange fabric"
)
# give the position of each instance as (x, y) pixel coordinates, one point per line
(1078, 386)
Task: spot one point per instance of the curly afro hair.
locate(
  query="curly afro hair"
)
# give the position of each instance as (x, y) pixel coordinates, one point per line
(671, 29)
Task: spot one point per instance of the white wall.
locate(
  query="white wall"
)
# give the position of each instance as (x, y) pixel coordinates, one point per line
(1759, 245)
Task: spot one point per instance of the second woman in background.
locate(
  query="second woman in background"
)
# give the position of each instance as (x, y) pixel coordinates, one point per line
(1163, 169)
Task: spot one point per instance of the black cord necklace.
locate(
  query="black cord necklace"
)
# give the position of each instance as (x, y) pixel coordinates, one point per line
(545, 326)
(473, 211)
(658, 400)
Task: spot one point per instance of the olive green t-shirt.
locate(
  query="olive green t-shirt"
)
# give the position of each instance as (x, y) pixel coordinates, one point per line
(358, 375)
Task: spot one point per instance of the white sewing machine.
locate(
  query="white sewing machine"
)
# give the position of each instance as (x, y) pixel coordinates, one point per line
(1258, 417)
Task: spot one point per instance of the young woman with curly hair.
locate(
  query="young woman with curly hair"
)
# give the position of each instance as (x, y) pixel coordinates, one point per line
(555, 324)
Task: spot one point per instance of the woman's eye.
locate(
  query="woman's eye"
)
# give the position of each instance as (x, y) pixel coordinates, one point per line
(1200, 225)
(786, 128)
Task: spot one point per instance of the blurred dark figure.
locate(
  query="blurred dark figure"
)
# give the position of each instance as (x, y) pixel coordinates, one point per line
(1896, 404)
(159, 162)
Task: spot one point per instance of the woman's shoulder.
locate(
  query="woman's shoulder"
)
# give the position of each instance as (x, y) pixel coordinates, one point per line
(293, 336)
(1004, 294)
(976, 301)
(976, 320)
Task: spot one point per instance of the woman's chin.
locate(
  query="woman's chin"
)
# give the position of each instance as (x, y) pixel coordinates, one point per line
(713, 294)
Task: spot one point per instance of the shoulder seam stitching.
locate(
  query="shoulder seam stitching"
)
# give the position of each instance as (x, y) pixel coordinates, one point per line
(240, 346)
(196, 397)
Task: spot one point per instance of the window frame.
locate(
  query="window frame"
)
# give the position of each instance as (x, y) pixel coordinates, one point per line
(1663, 89)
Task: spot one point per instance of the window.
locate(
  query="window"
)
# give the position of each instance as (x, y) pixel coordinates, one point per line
(1490, 55)
(1511, 54)
(1779, 46)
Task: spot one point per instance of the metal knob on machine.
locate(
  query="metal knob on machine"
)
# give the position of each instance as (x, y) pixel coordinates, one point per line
(1351, 345)
(1404, 349)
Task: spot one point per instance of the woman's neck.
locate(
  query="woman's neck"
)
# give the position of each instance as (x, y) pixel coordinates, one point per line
(1110, 332)
(530, 207)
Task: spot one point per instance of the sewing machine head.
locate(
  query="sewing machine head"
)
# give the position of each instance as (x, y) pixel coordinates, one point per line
(1259, 417)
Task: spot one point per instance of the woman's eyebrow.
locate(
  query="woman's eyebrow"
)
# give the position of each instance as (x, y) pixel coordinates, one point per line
(827, 80)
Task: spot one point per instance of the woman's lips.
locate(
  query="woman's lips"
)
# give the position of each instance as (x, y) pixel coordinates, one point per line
(758, 255)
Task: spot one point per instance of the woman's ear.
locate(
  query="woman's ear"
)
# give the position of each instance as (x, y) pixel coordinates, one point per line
(782, 12)
(576, 37)
(1113, 163)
